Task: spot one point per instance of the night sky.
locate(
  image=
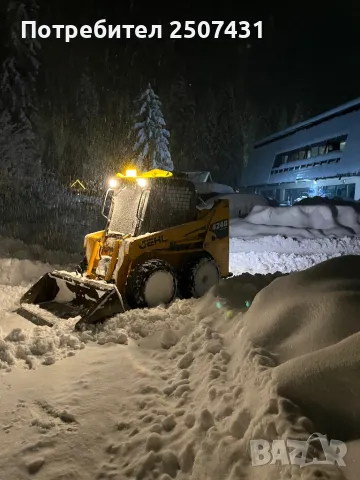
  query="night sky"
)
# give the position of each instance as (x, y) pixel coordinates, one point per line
(309, 50)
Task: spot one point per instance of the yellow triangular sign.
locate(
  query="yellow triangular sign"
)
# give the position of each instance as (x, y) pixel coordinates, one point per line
(78, 183)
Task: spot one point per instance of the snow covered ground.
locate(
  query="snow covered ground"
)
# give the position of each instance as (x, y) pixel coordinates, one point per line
(179, 392)
(270, 254)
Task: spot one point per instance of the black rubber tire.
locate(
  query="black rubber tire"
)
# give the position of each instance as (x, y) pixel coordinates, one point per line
(138, 278)
(187, 275)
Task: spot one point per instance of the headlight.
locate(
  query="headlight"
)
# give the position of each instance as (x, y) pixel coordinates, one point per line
(142, 182)
(113, 183)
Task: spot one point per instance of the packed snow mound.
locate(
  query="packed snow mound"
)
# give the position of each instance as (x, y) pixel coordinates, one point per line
(240, 204)
(303, 221)
(143, 323)
(310, 322)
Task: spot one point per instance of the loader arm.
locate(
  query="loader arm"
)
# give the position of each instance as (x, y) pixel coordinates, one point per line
(93, 243)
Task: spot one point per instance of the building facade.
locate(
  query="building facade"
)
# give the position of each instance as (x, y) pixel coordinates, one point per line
(318, 157)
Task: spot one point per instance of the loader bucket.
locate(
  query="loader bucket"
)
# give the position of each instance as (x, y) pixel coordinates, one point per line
(61, 295)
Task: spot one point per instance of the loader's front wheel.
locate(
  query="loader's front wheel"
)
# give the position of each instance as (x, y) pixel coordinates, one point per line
(150, 284)
(198, 276)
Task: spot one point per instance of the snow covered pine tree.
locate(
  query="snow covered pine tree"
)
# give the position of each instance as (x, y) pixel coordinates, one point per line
(152, 144)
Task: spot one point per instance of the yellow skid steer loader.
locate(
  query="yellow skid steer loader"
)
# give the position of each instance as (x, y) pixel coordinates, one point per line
(156, 246)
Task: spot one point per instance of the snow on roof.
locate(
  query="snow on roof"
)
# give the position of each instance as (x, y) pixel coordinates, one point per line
(199, 176)
(340, 110)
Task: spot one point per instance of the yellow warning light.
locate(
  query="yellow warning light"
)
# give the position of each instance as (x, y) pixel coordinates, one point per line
(131, 173)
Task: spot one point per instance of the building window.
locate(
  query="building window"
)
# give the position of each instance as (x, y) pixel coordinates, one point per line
(314, 151)
(329, 146)
(345, 191)
(294, 156)
(296, 194)
(322, 149)
(302, 154)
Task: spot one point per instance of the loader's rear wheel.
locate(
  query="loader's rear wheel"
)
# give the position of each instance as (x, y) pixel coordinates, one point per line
(198, 276)
(150, 284)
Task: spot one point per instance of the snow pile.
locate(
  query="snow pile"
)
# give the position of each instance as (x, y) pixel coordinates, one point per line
(41, 345)
(275, 253)
(34, 346)
(304, 221)
(312, 328)
(21, 344)
(139, 324)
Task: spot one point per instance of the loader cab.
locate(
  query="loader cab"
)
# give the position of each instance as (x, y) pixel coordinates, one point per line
(140, 206)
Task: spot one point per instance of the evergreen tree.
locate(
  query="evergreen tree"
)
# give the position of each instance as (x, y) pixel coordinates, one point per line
(18, 91)
(152, 137)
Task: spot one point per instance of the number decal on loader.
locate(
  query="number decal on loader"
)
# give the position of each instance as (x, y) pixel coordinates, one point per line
(150, 242)
(221, 228)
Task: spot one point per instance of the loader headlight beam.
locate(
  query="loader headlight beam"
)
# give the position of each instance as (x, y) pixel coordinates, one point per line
(142, 182)
(113, 183)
